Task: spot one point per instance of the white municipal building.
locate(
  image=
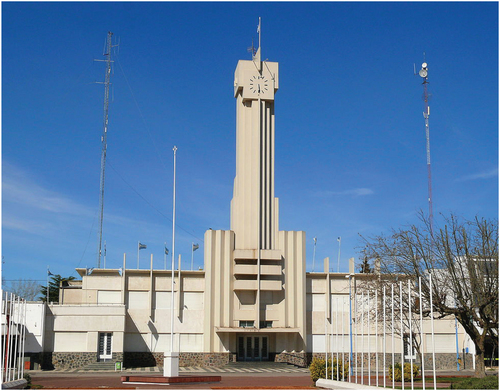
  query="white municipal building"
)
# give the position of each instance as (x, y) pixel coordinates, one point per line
(254, 299)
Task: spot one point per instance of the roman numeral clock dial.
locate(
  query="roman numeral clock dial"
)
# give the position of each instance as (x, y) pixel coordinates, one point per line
(259, 85)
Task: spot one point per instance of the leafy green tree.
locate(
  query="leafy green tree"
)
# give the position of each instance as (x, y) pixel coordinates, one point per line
(54, 283)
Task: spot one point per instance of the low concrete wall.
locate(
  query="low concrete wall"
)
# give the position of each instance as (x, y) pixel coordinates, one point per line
(15, 385)
(342, 385)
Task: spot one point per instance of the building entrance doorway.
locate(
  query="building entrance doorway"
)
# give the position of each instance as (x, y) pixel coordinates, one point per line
(105, 352)
(253, 348)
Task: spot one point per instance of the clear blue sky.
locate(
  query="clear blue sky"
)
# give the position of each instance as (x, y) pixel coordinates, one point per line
(350, 139)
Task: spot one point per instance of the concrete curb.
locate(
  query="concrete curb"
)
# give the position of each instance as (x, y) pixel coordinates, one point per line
(15, 385)
(342, 385)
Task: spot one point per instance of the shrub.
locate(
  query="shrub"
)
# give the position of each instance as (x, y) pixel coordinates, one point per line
(407, 369)
(486, 383)
(318, 369)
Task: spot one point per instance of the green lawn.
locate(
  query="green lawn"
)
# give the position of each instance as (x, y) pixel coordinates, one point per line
(472, 383)
(460, 383)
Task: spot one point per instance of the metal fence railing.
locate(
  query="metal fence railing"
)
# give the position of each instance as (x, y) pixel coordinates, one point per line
(13, 336)
(372, 334)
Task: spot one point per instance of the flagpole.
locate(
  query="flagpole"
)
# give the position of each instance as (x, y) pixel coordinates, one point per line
(165, 256)
(421, 331)
(171, 359)
(338, 260)
(259, 32)
(411, 334)
(384, 301)
(369, 334)
(48, 273)
(138, 249)
(392, 334)
(314, 251)
(402, 340)
(173, 258)
(432, 331)
(192, 255)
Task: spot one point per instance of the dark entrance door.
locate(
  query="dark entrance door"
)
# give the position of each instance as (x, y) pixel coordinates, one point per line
(253, 348)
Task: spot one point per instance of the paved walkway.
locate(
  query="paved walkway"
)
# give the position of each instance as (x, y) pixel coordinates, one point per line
(232, 377)
(281, 368)
(231, 369)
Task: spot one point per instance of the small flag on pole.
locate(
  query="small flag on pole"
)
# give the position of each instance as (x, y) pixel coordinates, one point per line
(166, 250)
(49, 273)
(338, 239)
(195, 246)
(141, 246)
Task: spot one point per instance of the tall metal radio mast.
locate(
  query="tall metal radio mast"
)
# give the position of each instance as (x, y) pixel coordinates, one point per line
(107, 82)
(423, 73)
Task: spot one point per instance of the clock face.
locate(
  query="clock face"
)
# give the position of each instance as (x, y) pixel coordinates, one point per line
(259, 85)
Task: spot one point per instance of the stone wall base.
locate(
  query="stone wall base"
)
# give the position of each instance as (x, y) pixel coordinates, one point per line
(72, 360)
(299, 359)
(186, 359)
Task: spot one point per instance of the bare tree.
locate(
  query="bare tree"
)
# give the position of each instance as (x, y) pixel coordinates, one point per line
(27, 289)
(401, 305)
(463, 259)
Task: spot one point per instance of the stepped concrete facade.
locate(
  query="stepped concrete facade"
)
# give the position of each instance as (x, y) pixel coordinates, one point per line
(253, 300)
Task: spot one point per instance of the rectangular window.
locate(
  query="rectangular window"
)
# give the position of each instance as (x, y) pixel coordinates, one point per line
(246, 323)
(266, 324)
(105, 346)
(318, 301)
(408, 348)
(193, 301)
(241, 348)
(163, 300)
(109, 297)
(138, 300)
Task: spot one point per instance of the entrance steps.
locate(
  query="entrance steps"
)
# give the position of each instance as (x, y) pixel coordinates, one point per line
(258, 364)
(100, 366)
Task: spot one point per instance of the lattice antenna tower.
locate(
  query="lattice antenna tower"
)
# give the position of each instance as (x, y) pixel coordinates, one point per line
(424, 74)
(107, 83)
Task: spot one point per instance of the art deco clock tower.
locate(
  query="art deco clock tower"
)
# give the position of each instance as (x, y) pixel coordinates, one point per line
(254, 210)
(254, 274)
